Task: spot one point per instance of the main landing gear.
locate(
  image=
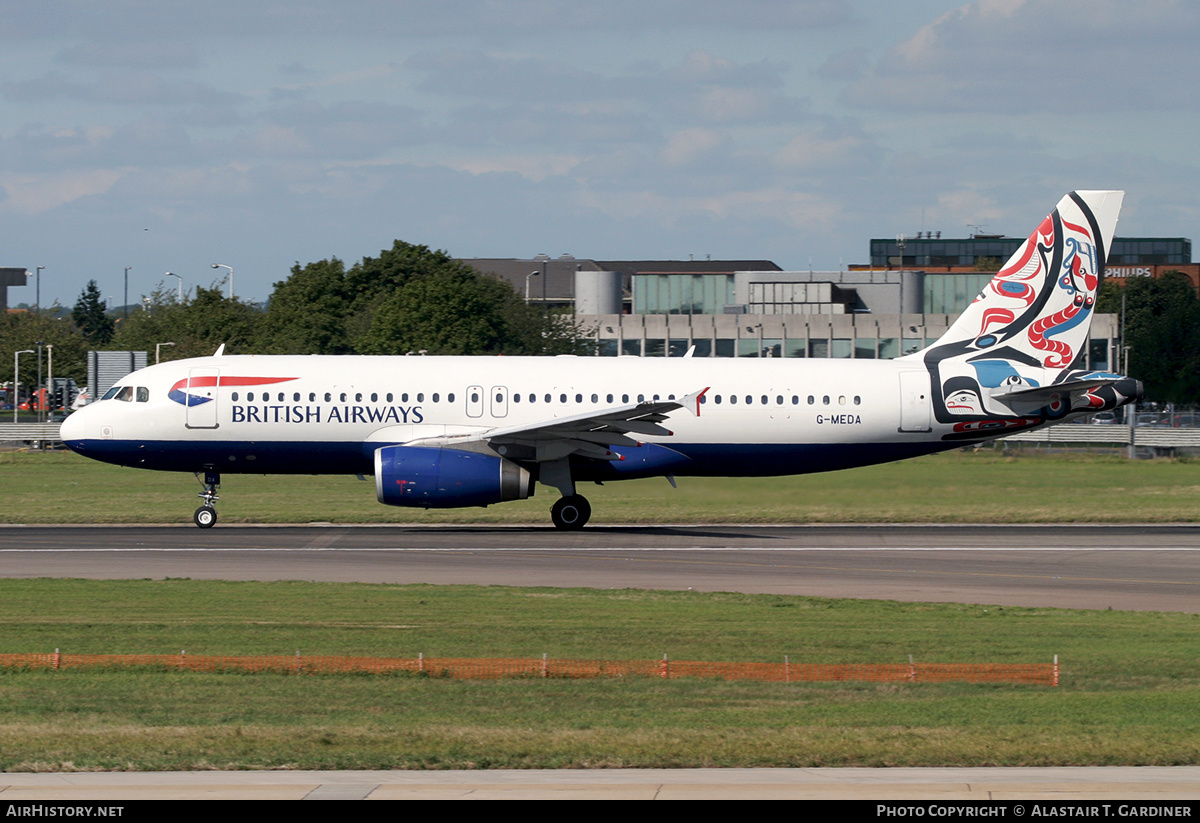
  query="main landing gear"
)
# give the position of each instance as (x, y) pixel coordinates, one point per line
(571, 513)
(206, 515)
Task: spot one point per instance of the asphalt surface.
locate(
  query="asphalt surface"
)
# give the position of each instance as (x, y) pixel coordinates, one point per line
(1154, 568)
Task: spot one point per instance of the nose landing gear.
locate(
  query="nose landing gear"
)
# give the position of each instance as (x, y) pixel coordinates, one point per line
(206, 516)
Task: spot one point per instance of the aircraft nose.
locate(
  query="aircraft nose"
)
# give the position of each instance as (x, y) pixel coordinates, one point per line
(72, 429)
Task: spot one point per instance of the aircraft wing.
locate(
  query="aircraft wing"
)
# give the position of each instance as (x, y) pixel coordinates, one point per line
(589, 434)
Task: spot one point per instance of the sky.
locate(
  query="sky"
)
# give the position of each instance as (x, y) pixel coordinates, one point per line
(168, 136)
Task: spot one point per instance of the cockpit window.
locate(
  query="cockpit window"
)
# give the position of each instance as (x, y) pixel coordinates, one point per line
(119, 393)
(143, 394)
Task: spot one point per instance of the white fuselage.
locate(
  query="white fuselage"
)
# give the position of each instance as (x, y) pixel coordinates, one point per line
(327, 414)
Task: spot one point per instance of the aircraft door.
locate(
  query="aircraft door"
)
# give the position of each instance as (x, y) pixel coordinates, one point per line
(499, 395)
(915, 404)
(474, 401)
(200, 398)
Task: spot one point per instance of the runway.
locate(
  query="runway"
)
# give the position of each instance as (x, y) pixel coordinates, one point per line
(1150, 568)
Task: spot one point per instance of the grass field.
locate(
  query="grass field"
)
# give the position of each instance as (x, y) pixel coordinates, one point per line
(954, 487)
(1127, 694)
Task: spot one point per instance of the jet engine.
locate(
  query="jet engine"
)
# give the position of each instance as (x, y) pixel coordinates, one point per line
(435, 478)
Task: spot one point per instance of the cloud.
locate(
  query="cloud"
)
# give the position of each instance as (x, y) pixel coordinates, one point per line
(131, 54)
(1015, 56)
(122, 89)
(416, 19)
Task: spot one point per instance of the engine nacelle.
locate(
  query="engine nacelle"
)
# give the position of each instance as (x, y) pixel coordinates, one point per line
(435, 478)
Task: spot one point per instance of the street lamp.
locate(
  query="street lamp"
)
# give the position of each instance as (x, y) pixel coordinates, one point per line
(173, 274)
(126, 298)
(158, 348)
(37, 300)
(39, 382)
(222, 266)
(16, 397)
(50, 370)
(531, 274)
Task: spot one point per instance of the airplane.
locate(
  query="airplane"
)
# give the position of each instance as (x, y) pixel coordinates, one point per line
(447, 432)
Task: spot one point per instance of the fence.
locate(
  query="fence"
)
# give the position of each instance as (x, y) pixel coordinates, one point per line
(29, 432)
(460, 668)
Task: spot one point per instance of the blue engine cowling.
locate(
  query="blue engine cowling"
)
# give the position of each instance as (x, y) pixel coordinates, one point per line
(435, 478)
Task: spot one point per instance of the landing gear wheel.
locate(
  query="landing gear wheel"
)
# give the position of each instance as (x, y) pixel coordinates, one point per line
(205, 517)
(571, 513)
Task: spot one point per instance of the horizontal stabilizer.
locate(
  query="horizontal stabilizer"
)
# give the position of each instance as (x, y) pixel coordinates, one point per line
(1039, 393)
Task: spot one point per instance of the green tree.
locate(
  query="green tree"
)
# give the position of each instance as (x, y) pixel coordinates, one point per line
(91, 316)
(409, 298)
(307, 312)
(1162, 329)
(197, 326)
(20, 331)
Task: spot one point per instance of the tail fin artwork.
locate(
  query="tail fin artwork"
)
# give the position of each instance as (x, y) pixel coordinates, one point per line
(1014, 359)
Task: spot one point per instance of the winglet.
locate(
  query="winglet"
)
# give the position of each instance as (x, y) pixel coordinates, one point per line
(692, 401)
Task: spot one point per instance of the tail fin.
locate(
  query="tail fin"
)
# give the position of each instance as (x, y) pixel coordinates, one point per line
(1018, 348)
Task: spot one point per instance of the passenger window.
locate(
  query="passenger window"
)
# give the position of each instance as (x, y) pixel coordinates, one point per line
(234, 397)
(374, 397)
(435, 397)
(249, 397)
(357, 397)
(328, 397)
(420, 397)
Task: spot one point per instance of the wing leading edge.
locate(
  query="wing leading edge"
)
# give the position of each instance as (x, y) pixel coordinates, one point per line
(590, 434)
